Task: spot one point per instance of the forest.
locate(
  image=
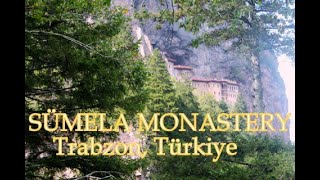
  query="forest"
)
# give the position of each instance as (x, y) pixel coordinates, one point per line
(81, 56)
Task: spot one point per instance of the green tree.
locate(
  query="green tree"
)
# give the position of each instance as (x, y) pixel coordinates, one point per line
(208, 104)
(240, 105)
(159, 86)
(259, 156)
(79, 56)
(223, 106)
(186, 101)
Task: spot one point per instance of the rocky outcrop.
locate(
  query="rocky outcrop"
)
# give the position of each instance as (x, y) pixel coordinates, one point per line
(220, 62)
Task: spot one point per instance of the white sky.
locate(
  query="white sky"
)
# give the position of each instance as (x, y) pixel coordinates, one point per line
(287, 72)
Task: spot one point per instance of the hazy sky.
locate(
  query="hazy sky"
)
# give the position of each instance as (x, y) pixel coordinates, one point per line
(287, 72)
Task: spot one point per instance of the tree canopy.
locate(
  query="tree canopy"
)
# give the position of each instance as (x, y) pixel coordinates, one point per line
(79, 56)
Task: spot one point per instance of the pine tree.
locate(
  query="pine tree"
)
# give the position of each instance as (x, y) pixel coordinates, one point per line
(159, 86)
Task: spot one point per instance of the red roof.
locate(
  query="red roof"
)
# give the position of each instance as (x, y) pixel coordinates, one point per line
(182, 67)
(199, 79)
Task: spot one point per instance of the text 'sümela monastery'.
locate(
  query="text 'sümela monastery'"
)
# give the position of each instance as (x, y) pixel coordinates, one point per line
(221, 89)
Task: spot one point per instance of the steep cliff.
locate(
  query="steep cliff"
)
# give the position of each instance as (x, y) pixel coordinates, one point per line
(220, 62)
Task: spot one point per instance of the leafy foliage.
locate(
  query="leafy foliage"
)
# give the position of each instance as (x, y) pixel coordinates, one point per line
(251, 24)
(259, 156)
(79, 56)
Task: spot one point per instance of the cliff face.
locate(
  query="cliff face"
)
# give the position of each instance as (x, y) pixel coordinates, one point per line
(212, 62)
(273, 89)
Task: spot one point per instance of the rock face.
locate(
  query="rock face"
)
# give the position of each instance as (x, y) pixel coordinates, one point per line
(274, 95)
(211, 62)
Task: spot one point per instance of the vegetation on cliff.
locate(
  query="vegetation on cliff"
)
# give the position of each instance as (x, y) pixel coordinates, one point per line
(80, 56)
